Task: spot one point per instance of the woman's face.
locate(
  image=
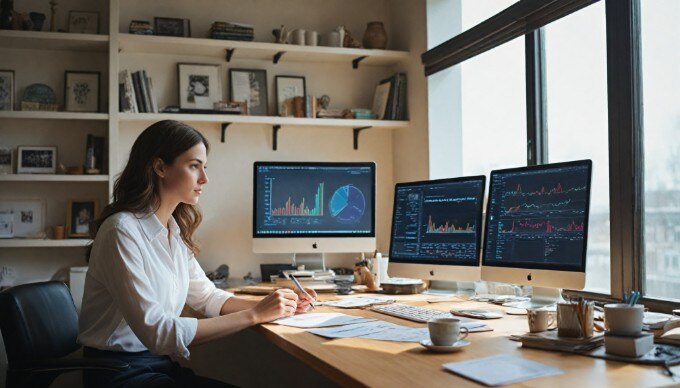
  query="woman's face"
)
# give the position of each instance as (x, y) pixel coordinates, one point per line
(183, 180)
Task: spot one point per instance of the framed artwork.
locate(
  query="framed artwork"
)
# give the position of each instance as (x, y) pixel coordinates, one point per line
(6, 159)
(6, 89)
(80, 214)
(81, 91)
(22, 218)
(382, 93)
(287, 88)
(199, 85)
(172, 27)
(36, 160)
(249, 86)
(81, 22)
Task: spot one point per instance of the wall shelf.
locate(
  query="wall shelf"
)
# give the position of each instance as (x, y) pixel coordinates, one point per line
(62, 41)
(34, 243)
(231, 49)
(52, 178)
(44, 115)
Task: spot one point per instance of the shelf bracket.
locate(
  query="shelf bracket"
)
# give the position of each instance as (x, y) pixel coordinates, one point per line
(355, 61)
(224, 130)
(278, 56)
(229, 54)
(356, 136)
(275, 136)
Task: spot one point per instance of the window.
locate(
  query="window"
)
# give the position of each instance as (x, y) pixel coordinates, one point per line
(576, 77)
(660, 41)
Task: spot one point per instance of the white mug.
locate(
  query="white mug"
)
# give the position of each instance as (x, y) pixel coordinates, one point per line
(333, 39)
(311, 38)
(541, 320)
(446, 331)
(298, 36)
(623, 319)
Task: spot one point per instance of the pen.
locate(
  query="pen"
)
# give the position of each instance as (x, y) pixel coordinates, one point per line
(297, 284)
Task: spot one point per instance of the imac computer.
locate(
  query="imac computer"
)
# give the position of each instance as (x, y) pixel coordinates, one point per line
(313, 208)
(436, 230)
(537, 228)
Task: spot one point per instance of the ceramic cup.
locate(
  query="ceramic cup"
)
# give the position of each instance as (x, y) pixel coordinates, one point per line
(446, 331)
(298, 36)
(622, 319)
(332, 39)
(676, 312)
(311, 38)
(541, 320)
(58, 232)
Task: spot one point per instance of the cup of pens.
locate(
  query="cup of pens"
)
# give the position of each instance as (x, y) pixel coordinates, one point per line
(575, 319)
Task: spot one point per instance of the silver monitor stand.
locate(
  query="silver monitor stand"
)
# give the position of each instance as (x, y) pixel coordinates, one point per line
(541, 297)
(311, 261)
(449, 288)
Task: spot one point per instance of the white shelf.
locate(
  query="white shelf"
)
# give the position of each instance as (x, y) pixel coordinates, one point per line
(62, 41)
(32, 243)
(52, 178)
(147, 44)
(255, 120)
(44, 115)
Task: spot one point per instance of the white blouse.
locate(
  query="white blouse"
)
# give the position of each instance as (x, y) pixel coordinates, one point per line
(137, 284)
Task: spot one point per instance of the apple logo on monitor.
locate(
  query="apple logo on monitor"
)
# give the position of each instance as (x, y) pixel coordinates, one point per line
(314, 245)
(431, 272)
(529, 276)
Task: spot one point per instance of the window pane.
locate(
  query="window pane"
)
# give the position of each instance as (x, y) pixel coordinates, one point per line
(493, 99)
(576, 72)
(661, 94)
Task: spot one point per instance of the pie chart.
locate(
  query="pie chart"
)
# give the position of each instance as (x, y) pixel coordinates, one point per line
(348, 204)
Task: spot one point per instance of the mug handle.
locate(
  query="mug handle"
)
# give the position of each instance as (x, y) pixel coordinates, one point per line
(551, 320)
(465, 335)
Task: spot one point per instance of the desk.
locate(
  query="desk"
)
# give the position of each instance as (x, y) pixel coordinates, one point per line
(361, 362)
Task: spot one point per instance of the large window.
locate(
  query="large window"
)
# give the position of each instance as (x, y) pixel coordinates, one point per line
(660, 43)
(576, 75)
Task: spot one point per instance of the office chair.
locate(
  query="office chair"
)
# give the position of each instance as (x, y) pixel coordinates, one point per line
(39, 326)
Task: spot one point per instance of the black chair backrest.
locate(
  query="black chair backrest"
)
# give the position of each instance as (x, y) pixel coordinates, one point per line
(38, 321)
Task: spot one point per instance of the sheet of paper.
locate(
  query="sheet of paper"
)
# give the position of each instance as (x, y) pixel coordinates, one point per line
(351, 330)
(398, 333)
(361, 301)
(320, 320)
(501, 369)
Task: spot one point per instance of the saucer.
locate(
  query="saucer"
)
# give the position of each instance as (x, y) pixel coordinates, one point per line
(445, 349)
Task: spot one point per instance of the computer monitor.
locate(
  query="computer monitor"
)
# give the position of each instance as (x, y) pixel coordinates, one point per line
(437, 229)
(313, 207)
(537, 228)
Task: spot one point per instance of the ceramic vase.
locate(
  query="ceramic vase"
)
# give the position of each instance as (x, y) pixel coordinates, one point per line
(375, 36)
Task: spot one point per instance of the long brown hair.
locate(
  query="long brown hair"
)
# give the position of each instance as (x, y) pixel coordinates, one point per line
(137, 189)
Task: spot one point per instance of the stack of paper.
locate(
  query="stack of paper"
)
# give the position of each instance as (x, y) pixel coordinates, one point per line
(382, 331)
(320, 320)
(549, 340)
(501, 370)
(361, 301)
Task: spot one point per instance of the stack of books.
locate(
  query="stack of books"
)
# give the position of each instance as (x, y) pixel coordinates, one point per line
(136, 93)
(396, 100)
(232, 31)
(549, 340)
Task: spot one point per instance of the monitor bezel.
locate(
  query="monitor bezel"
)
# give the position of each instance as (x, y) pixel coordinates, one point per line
(550, 267)
(447, 262)
(371, 165)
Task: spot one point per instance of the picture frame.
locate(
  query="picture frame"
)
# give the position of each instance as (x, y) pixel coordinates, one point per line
(199, 85)
(36, 160)
(81, 91)
(6, 224)
(83, 22)
(6, 161)
(7, 90)
(380, 98)
(172, 27)
(79, 215)
(288, 87)
(28, 218)
(250, 86)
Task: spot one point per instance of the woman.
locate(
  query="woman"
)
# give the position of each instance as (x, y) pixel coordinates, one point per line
(142, 269)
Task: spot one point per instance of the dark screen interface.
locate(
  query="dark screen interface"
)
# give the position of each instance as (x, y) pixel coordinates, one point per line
(538, 217)
(437, 222)
(299, 200)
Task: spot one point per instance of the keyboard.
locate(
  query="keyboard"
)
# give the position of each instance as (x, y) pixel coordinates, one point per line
(412, 313)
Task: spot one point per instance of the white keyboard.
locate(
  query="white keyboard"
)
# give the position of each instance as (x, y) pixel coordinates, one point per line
(412, 313)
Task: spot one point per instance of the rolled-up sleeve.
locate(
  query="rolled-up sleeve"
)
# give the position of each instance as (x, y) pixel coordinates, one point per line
(161, 332)
(203, 296)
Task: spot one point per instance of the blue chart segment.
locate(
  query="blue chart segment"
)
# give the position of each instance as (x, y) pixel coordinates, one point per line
(348, 204)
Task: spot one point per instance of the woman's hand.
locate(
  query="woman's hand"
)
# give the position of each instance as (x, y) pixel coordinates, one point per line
(280, 303)
(304, 301)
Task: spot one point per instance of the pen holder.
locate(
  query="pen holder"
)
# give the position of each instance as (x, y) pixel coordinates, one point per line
(575, 319)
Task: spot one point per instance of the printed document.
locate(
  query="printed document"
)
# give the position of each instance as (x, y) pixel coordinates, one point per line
(306, 321)
(501, 370)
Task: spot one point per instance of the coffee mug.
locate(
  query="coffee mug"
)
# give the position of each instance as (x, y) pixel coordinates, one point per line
(541, 320)
(311, 38)
(298, 36)
(446, 331)
(623, 319)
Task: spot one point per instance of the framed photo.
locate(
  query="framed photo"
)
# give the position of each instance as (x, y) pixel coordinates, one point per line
(6, 89)
(287, 88)
(249, 86)
(382, 93)
(81, 22)
(81, 91)
(199, 85)
(36, 160)
(27, 218)
(6, 166)
(172, 27)
(80, 214)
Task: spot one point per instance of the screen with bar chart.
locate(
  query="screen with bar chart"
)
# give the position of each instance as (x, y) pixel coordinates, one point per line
(438, 221)
(537, 217)
(313, 199)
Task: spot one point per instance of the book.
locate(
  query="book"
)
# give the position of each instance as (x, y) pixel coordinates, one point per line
(129, 102)
(549, 340)
(137, 86)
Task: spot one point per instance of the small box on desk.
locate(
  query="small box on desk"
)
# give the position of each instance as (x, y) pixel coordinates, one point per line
(634, 346)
